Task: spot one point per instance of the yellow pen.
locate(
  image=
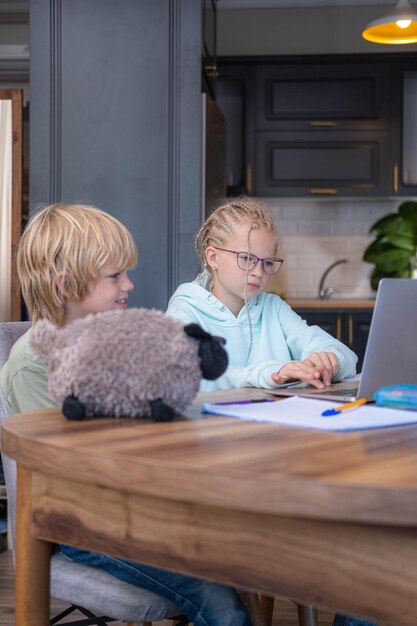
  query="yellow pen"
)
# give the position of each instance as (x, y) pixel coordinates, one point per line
(344, 407)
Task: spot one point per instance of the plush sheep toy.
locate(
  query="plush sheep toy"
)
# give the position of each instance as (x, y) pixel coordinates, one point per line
(132, 363)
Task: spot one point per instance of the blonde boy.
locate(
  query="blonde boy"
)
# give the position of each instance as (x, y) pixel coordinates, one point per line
(73, 260)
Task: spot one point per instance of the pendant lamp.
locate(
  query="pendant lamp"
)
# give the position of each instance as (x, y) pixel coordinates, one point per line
(398, 27)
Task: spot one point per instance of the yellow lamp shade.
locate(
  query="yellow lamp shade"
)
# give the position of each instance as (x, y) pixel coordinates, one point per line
(398, 27)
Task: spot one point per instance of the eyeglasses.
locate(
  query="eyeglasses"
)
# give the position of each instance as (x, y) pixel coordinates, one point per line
(247, 261)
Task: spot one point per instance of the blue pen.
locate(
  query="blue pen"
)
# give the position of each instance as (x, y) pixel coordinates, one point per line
(344, 407)
(245, 401)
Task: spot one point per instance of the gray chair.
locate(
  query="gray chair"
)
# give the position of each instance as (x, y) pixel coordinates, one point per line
(92, 591)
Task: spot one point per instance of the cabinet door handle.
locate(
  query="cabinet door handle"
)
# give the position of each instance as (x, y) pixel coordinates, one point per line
(350, 329)
(324, 190)
(322, 124)
(339, 327)
(249, 180)
(395, 178)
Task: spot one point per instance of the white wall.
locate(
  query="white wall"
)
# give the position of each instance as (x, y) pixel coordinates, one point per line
(315, 233)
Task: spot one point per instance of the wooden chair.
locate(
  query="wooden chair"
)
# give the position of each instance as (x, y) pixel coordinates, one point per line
(307, 613)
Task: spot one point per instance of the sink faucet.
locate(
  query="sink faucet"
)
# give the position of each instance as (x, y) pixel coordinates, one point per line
(326, 292)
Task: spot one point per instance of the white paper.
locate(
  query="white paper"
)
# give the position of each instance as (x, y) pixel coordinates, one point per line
(307, 413)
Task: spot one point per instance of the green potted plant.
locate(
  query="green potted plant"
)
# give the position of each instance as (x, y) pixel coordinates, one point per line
(394, 250)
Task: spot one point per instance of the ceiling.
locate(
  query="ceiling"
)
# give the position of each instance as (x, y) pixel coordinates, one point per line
(16, 6)
(273, 4)
(22, 6)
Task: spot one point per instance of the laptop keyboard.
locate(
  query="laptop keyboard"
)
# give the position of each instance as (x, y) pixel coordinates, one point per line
(340, 392)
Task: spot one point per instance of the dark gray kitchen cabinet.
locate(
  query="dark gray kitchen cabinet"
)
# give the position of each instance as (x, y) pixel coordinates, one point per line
(332, 96)
(322, 130)
(349, 326)
(358, 325)
(403, 163)
(322, 164)
(314, 127)
(235, 95)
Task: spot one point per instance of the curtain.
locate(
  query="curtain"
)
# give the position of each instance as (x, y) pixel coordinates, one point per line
(5, 207)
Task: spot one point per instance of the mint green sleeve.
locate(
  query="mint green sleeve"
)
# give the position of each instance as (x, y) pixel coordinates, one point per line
(256, 375)
(302, 340)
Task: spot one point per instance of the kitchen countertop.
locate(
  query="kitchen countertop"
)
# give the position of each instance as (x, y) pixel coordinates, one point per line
(333, 303)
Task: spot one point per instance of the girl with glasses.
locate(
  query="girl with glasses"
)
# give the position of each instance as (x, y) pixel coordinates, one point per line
(267, 342)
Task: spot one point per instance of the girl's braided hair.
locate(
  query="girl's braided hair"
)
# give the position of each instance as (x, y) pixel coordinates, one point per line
(220, 225)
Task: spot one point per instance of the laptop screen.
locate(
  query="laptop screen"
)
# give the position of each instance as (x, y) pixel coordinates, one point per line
(391, 351)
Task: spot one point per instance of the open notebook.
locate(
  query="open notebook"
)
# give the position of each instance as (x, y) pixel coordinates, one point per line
(307, 413)
(391, 351)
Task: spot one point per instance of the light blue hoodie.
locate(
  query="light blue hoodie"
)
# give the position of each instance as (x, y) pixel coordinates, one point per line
(279, 335)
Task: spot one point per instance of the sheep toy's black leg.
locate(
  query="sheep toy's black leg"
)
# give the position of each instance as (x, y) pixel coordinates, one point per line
(160, 411)
(73, 409)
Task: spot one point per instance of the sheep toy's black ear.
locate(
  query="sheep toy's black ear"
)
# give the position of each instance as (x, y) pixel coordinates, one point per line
(213, 357)
(73, 409)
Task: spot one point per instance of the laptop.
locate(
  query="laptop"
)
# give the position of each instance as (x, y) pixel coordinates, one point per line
(391, 350)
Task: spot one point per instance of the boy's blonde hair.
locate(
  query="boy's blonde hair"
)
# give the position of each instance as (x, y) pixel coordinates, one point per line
(68, 243)
(221, 224)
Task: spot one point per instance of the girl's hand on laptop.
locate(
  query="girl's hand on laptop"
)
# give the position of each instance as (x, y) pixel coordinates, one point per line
(317, 370)
(327, 363)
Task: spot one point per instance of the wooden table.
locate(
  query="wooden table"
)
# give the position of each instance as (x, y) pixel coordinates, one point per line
(324, 518)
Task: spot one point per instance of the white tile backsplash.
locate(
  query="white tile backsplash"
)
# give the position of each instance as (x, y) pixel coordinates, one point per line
(316, 233)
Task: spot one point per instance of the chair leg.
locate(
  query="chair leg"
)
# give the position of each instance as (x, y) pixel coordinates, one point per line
(307, 615)
(267, 608)
(251, 600)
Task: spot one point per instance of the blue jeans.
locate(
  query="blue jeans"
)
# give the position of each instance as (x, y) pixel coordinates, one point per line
(205, 603)
(343, 620)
